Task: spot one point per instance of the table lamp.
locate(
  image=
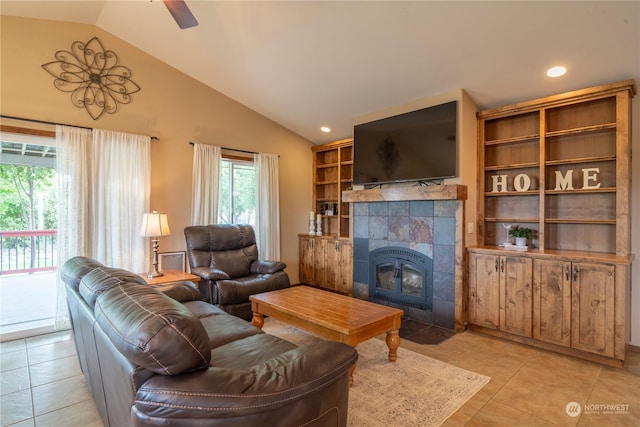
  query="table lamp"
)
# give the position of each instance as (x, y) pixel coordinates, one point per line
(154, 225)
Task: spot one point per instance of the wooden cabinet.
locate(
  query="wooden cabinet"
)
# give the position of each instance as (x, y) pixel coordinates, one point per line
(326, 262)
(559, 165)
(333, 174)
(575, 304)
(500, 292)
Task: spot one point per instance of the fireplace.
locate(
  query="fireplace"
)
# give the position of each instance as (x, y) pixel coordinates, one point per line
(408, 251)
(401, 276)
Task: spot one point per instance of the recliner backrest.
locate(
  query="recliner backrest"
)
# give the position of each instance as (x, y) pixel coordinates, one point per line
(227, 247)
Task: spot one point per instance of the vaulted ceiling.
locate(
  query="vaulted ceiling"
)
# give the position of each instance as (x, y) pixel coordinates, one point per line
(309, 64)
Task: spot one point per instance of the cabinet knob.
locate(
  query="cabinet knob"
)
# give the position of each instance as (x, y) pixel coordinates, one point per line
(575, 273)
(566, 271)
(496, 265)
(502, 265)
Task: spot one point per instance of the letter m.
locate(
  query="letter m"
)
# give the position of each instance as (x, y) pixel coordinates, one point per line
(564, 182)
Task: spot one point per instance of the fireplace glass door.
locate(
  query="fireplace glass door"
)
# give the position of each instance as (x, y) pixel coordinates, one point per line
(401, 276)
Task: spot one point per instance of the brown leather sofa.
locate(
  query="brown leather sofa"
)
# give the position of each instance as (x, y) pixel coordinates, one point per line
(161, 356)
(225, 256)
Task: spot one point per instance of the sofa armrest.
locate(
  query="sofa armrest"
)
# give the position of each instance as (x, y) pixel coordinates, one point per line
(180, 291)
(208, 273)
(222, 393)
(266, 267)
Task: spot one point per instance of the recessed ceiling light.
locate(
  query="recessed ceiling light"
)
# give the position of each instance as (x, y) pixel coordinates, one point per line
(556, 71)
(325, 129)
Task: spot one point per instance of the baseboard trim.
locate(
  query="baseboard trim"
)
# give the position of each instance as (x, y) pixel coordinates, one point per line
(604, 360)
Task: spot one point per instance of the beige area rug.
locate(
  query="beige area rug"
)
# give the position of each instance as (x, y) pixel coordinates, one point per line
(415, 390)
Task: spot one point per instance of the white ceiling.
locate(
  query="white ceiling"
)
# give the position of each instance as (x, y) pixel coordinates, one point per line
(305, 64)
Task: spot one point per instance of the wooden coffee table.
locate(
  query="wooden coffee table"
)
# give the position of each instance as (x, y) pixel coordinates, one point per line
(331, 316)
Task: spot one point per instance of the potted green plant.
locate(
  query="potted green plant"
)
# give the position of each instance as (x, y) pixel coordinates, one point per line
(521, 234)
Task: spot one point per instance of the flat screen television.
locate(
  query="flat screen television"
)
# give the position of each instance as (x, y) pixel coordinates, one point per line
(419, 145)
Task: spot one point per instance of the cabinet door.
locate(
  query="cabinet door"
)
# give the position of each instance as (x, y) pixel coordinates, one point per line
(552, 301)
(484, 290)
(319, 263)
(345, 263)
(306, 260)
(515, 295)
(332, 262)
(592, 310)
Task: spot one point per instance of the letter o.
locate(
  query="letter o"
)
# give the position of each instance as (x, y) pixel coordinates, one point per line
(522, 182)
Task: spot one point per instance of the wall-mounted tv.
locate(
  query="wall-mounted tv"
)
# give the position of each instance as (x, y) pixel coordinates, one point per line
(419, 145)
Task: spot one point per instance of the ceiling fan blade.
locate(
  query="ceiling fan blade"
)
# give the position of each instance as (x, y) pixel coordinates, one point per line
(181, 13)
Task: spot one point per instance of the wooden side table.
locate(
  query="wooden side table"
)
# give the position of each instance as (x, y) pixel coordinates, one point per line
(171, 276)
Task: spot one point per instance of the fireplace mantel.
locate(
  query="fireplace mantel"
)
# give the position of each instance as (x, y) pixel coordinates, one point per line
(396, 194)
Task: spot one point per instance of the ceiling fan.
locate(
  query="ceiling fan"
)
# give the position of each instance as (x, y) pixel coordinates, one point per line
(181, 13)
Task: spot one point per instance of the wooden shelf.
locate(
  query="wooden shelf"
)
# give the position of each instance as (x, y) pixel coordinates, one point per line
(332, 174)
(581, 160)
(512, 140)
(514, 220)
(580, 221)
(547, 140)
(583, 129)
(526, 165)
(512, 193)
(582, 191)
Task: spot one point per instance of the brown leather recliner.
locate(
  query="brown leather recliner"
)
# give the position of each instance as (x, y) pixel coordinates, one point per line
(225, 256)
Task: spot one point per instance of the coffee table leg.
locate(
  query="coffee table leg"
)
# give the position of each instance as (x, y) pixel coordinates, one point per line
(258, 320)
(351, 371)
(393, 342)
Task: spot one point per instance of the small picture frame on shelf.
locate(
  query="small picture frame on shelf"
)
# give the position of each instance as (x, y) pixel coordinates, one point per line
(172, 261)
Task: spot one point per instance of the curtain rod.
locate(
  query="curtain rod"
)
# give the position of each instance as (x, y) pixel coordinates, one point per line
(44, 122)
(233, 149)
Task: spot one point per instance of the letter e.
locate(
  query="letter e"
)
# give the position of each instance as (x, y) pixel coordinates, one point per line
(590, 175)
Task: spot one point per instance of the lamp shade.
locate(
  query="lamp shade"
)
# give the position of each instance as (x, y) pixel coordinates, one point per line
(154, 224)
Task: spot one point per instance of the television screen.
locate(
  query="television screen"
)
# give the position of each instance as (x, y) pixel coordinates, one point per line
(419, 145)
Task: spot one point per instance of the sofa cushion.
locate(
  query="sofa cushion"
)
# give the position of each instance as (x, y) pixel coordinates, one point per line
(74, 269)
(223, 329)
(101, 279)
(152, 330)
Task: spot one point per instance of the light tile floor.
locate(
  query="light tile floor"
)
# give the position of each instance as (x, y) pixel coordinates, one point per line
(42, 384)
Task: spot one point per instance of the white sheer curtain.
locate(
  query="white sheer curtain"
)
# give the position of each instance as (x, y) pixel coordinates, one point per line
(103, 190)
(267, 206)
(73, 148)
(206, 184)
(122, 182)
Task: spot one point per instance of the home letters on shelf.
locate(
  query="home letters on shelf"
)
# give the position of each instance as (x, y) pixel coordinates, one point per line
(522, 181)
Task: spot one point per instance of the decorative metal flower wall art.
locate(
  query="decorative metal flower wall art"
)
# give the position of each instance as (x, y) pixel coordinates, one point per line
(93, 76)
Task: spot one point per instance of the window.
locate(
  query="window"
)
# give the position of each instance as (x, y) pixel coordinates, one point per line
(237, 203)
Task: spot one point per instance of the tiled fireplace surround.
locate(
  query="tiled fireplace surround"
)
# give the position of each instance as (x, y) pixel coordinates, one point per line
(429, 220)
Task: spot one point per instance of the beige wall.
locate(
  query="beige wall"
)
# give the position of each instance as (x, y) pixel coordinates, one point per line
(171, 106)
